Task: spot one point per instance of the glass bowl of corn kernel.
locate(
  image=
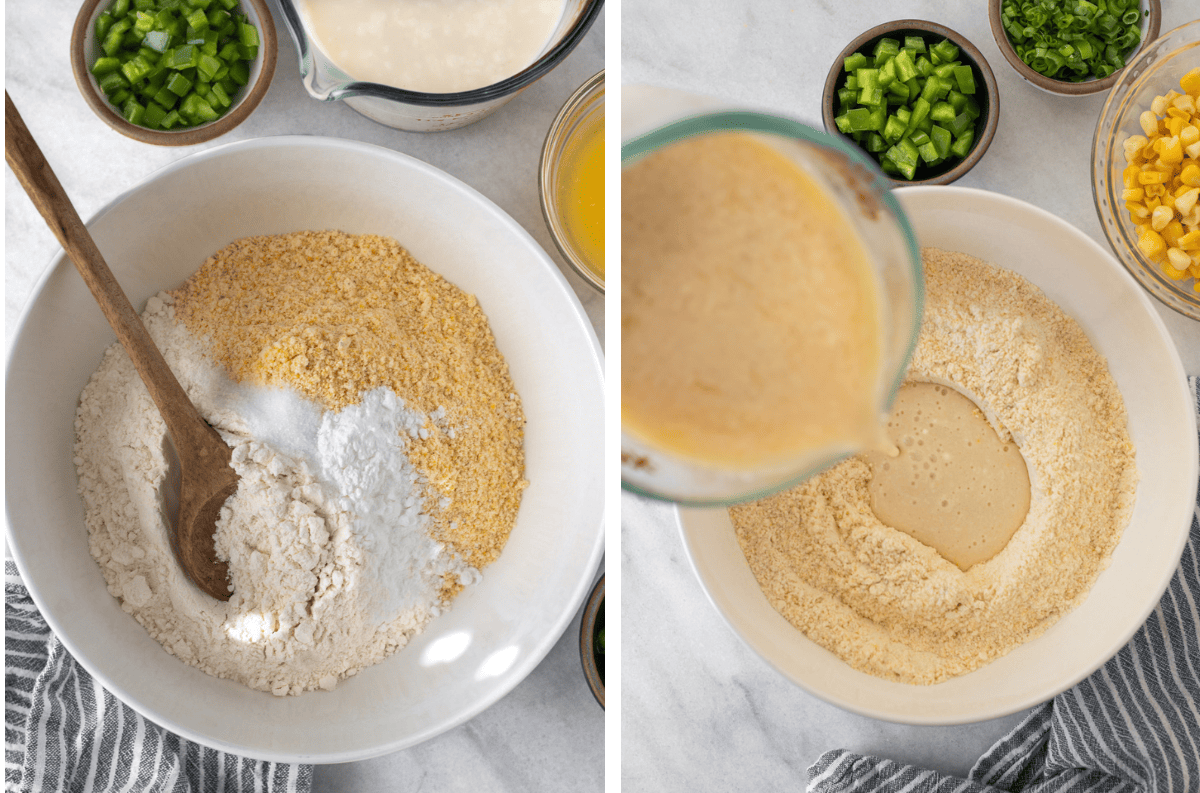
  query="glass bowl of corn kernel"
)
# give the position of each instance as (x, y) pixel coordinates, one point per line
(1146, 168)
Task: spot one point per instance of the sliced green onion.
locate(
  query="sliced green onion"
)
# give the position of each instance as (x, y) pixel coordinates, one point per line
(1072, 40)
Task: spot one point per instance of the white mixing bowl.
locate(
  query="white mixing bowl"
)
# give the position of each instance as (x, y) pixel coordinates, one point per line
(1089, 285)
(154, 237)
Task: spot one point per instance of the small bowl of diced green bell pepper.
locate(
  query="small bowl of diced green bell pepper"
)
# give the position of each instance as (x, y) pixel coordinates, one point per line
(173, 72)
(917, 97)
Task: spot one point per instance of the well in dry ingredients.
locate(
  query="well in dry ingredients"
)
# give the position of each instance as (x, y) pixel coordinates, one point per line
(378, 436)
(893, 607)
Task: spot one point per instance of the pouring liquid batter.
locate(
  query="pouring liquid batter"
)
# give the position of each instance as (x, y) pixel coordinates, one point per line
(749, 310)
(750, 331)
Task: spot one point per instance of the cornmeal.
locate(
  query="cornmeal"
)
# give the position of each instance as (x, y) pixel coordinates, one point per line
(336, 315)
(891, 606)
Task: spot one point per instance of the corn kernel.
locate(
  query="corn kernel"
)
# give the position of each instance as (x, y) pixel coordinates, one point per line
(1161, 216)
(1190, 175)
(1129, 176)
(1133, 194)
(1149, 120)
(1151, 177)
(1178, 259)
(1152, 245)
(1190, 241)
(1133, 146)
(1185, 103)
(1137, 211)
(1192, 150)
(1171, 233)
(1185, 202)
(1157, 107)
(1189, 134)
(1176, 121)
(1173, 273)
(1171, 152)
(1190, 82)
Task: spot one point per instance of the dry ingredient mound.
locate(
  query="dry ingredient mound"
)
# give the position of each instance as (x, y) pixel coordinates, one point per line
(893, 607)
(369, 495)
(335, 315)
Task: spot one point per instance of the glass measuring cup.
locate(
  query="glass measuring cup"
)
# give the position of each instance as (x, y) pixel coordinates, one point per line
(424, 112)
(654, 118)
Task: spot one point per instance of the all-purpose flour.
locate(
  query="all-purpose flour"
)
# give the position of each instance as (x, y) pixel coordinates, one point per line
(331, 561)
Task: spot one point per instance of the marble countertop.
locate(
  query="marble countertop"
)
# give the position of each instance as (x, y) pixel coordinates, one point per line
(548, 734)
(700, 711)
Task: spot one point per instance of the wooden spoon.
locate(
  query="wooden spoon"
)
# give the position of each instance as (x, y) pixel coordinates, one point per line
(201, 467)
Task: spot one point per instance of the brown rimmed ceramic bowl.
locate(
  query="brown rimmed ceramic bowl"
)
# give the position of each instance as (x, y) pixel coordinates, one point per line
(931, 32)
(1150, 26)
(85, 49)
(593, 663)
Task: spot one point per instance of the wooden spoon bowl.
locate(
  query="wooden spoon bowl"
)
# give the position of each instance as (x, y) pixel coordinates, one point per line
(201, 458)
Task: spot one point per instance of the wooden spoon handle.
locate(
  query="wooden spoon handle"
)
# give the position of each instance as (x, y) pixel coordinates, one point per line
(30, 166)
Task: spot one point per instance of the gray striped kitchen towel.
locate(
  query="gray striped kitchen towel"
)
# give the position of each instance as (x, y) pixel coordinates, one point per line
(1132, 727)
(63, 732)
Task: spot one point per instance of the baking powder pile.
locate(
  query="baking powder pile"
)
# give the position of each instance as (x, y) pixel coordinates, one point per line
(893, 607)
(344, 538)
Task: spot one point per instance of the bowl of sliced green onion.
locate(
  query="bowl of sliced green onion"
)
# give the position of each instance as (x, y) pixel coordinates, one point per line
(1072, 47)
(173, 72)
(917, 97)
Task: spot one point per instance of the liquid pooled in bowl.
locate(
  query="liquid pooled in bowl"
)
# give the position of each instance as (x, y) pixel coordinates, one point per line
(432, 46)
(750, 313)
(954, 485)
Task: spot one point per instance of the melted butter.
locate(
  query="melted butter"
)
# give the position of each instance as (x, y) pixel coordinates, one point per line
(581, 195)
(749, 309)
(954, 484)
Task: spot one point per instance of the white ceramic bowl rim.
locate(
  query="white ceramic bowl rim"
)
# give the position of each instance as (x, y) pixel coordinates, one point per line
(696, 528)
(525, 663)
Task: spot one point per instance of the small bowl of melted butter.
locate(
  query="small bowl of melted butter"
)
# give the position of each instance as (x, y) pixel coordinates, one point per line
(771, 295)
(572, 181)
